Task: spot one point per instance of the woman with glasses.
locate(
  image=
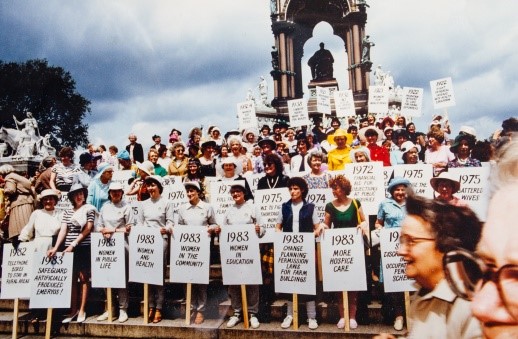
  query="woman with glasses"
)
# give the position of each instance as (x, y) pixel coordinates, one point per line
(178, 165)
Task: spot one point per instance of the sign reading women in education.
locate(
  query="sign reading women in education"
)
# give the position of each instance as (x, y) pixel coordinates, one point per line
(295, 263)
(240, 259)
(298, 112)
(419, 176)
(146, 255)
(246, 115)
(344, 103)
(343, 260)
(474, 188)
(393, 265)
(51, 285)
(17, 271)
(412, 102)
(270, 203)
(367, 184)
(442, 93)
(108, 260)
(190, 255)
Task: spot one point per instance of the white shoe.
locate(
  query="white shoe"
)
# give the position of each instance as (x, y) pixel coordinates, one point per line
(398, 324)
(286, 323)
(234, 320)
(312, 324)
(353, 324)
(81, 318)
(103, 316)
(123, 316)
(341, 323)
(254, 322)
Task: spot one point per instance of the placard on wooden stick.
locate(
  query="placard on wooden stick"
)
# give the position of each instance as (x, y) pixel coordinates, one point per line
(146, 255)
(108, 260)
(393, 265)
(52, 280)
(17, 271)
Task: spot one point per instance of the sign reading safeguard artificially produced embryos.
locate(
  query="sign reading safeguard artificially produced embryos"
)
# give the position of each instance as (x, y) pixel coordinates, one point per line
(367, 184)
(269, 204)
(419, 176)
(343, 260)
(190, 254)
(323, 100)
(393, 265)
(220, 197)
(146, 255)
(108, 260)
(474, 188)
(378, 99)
(51, 285)
(344, 103)
(298, 112)
(412, 102)
(17, 271)
(295, 263)
(240, 259)
(442, 93)
(246, 115)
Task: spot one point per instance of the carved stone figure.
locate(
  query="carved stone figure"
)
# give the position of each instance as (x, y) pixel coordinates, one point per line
(263, 91)
(366, 49)
(321, 64)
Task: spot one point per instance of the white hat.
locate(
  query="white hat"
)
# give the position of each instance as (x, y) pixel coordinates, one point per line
(194, 184)
(115, 186)
(146, 166)
(468, 130)
(48, 193)
(228, 160)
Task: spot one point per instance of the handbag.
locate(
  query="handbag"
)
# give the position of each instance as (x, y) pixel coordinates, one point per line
(364, 236)
(375, 237)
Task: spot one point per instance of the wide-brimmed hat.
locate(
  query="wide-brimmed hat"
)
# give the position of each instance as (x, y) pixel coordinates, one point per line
(85, 158)
(468, 137)
(445, 176)
(48, 193)
(115, 186)
(364, 150)
(208, 143)
(408, 145)
(157, 180)
(231, 132)
(468, 130)
(364, 130)
(194, 184)
(103, 168)
(240, 184)
(146, 166)
(75, 188)
(124, 155)
(396, 181)
(228, 160)
(340, 133)
(268, 142)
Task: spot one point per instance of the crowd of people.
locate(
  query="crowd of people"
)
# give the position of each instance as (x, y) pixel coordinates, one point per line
(299, 159)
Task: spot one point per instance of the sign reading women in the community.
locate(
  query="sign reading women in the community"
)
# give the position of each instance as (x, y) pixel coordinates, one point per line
(343, 260)
(295, 263)
(108, 260)
(419, 176)
(51, 285)
(367, 184)
(442, 93)
(146, 256)
(17, 271)
(270, 203)
(298, 111)
(393, 265)
(474, 188)
(190, 255)
(240, 262)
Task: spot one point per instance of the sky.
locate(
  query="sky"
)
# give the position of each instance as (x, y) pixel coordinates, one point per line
(150, 66)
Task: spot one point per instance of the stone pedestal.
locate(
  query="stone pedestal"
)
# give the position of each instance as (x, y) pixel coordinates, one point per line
(22, 166)
(332, 84)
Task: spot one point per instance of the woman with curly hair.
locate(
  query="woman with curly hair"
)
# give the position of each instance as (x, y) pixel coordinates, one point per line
(63, 173)
(437, 154)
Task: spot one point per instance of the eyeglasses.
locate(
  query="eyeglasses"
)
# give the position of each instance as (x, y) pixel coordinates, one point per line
(467, 273)
(407, 240)
(235, 192)
(269, 164)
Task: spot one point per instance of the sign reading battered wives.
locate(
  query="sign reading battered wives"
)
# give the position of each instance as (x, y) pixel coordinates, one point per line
(295, 263)
(298, 112)
(393, 265)
(52, 280)
(419, 176)
(17, 271)
(474, 188)
(146, 256)
(343, 260)
(367, 184)
(190, 255)
(108, 261)
(240, 262)
(270, 203)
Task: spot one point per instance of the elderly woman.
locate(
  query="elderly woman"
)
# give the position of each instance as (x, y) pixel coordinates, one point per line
(345, 212)
(446, 186)
(338, 157)
(199, 213)
(410, 153)
(63, 172)
(306, 221)
(248, 140)
(116, 216)
(361, 154)
(98, 188)
(156, 212)
(153, 157)
(178, 165)
(76, 225)
(390, 214)
(229, 173)
(243, 163)
(437, 154)
(462, 147)
(317, 177)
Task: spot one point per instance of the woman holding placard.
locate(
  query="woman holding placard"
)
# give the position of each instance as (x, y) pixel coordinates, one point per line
(298, 215)
(76, 225)
(116, 216)
(390, 214)
(241, 213)
(339, 213)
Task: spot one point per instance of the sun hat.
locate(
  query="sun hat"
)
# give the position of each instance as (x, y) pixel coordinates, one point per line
(115, 186)
(124, 155)
(194, 184)
(365, 150)
(146, 166)
(445, 176)
(396, 181)
(228, 160)
(268, 142)
(157, 180)
(48, 193)
(468, 137)
(75, 188)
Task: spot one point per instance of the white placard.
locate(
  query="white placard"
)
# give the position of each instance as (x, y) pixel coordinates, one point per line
(190, 255)
(323, 100)
(442, 93)
(378, 99)
(393, 266)
(367, 184)
(343, 260)
(269, 204)
(474, 188)
(146, 255)
(298, 112)
(344, 103)
(240, 259)
(412, 102)
(419, 176)
(388, 174)
(51, 285)
(174, 190)
(220, 198)
(17, 271)
(108, 260)
(63, 205)
(320, 197)
(252, 180)
(295, 263)
(246, 115)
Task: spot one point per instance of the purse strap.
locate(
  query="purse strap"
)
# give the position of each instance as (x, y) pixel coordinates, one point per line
(357, 211)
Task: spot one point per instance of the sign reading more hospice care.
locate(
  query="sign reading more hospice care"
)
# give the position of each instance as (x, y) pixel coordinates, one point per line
(442, 93)
(146, 255)
(269, 204)
(17, 271)
(298, 112)
(246, 115)
(108, 261)
(393, 265)
(240, 259)
(190, 255)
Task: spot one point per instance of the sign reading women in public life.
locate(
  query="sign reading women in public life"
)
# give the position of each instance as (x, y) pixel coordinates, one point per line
(295, 263)
(343, 260)
(17, 271)
(393, 265)
(108, 260)
(146, 256)
(270, 203)
(240, 259)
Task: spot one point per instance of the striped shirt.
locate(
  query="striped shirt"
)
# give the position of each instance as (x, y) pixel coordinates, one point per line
(73, 229)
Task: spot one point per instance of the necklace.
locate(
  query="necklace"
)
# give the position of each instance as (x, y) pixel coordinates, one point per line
(273, 183)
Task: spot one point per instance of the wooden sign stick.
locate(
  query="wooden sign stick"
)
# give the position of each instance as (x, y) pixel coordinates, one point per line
(244, 303)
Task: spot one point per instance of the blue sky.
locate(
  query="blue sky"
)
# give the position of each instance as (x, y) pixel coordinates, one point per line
(149, 66)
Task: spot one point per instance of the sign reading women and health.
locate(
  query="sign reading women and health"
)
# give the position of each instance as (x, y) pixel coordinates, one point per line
(52, 280)
(17, 271)
(108, 260)
(146, 256)
(393, 265)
